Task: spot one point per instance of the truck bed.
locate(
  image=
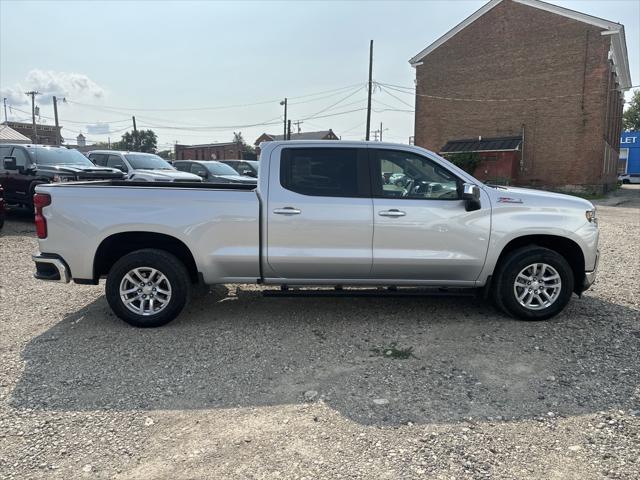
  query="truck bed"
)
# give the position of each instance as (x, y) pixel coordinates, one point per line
(218, 223)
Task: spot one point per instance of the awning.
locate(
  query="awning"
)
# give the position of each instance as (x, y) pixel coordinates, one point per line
(480, 144)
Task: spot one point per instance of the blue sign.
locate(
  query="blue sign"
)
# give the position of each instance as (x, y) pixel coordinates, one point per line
(630, 151)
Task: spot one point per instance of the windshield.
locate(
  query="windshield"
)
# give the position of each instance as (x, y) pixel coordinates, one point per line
(59, 156)
(220, 169)
(146, 161)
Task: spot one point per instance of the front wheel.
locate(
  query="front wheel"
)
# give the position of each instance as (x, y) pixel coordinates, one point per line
(533, 283)
(148, 288)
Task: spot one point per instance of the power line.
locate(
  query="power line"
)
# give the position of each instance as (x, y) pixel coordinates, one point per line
(216, 107)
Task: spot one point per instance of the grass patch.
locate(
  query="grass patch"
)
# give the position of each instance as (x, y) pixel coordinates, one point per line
(393, 351)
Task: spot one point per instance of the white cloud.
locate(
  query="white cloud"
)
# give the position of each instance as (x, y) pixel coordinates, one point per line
(49, 83)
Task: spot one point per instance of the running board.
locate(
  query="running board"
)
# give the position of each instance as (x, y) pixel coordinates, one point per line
(370, 292)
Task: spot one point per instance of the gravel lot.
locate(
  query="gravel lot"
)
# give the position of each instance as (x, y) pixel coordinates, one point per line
(243, 386)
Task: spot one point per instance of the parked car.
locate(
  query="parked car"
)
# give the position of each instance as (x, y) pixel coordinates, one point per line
(249, 168)
(629, 178)
(141, 167)
(320, 215)
(24, 167)
(2, 208)
(213, 171)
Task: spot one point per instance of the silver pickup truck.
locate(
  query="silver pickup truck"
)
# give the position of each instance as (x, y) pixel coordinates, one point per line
(323, 214)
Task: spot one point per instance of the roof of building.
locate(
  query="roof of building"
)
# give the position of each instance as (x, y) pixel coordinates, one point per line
(9, 135)
(302, 135)
(212, 145)
(618, 52)
(30, 125)
(495, 144)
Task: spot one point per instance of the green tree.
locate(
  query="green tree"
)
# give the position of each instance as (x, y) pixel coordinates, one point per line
(140, 141)
(167, 154)
(631, 116)
(248, 151)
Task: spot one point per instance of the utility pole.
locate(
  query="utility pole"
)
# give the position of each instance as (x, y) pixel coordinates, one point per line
(380, 131)
(4, 100)
(370, 85)
(55, 116)
(33, 94)
(289, 130)
(297, 124)
(284, 133)
(135, 134)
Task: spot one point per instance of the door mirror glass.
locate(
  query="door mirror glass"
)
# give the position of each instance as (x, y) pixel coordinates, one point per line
(471, 196)
(10, 163)
(121, 167)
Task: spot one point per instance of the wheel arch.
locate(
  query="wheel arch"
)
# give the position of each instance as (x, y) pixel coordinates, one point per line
(115, 246)
(564, 246)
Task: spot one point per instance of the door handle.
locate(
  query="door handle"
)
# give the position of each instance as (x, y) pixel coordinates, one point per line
(287, 211)
(391, 213)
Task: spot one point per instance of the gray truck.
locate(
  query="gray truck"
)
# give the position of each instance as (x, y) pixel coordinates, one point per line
(322, 214)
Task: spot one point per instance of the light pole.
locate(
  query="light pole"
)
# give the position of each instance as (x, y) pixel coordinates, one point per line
(284, 102)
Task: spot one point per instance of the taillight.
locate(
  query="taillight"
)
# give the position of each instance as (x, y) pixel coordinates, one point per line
(41, 200)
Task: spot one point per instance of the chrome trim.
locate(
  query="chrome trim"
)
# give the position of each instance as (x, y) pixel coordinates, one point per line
(63, 270)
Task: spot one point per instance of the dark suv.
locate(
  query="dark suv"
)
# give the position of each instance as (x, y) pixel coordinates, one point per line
(22, 167)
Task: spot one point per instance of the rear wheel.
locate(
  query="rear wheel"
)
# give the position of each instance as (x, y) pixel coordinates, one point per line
(533, 283)
(148, 288)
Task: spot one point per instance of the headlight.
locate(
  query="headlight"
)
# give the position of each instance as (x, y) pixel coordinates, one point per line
(60, 178)
(591, 216)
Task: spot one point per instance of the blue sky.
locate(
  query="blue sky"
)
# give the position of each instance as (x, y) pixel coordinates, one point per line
(115, 59)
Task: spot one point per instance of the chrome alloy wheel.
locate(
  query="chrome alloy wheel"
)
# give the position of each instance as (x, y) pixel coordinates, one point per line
(537, 286)
(145, 291)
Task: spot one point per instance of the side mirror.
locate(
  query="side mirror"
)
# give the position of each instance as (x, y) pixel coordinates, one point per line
(248, 173)
(471, 197)
(120, 167)
(10, 163)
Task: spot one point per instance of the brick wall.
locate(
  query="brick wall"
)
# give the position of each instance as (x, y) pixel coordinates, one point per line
(516, 51)
(208, 152)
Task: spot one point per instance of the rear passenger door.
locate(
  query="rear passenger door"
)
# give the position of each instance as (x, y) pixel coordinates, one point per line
(319, 214)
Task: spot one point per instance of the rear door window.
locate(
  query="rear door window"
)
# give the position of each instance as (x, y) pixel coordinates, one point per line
(325, 172)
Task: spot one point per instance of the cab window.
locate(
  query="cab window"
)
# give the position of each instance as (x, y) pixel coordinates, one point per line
(100, 159)
(325, 172)
(182, 166)
(399, 174)
(114, 161)
(22, 159)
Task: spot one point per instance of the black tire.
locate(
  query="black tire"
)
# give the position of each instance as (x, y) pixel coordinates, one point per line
(504, 296)
(626, 182)
(168, 265)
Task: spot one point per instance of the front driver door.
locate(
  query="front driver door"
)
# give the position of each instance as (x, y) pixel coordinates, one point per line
(421, 228)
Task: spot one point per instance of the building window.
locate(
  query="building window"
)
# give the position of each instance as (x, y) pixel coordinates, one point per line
(622, 160)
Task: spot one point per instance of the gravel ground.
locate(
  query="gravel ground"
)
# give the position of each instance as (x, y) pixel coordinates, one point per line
(242, 386)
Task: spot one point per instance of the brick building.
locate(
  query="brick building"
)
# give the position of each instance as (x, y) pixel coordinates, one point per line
(209, 151)
(524, 68)
(46, 134)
